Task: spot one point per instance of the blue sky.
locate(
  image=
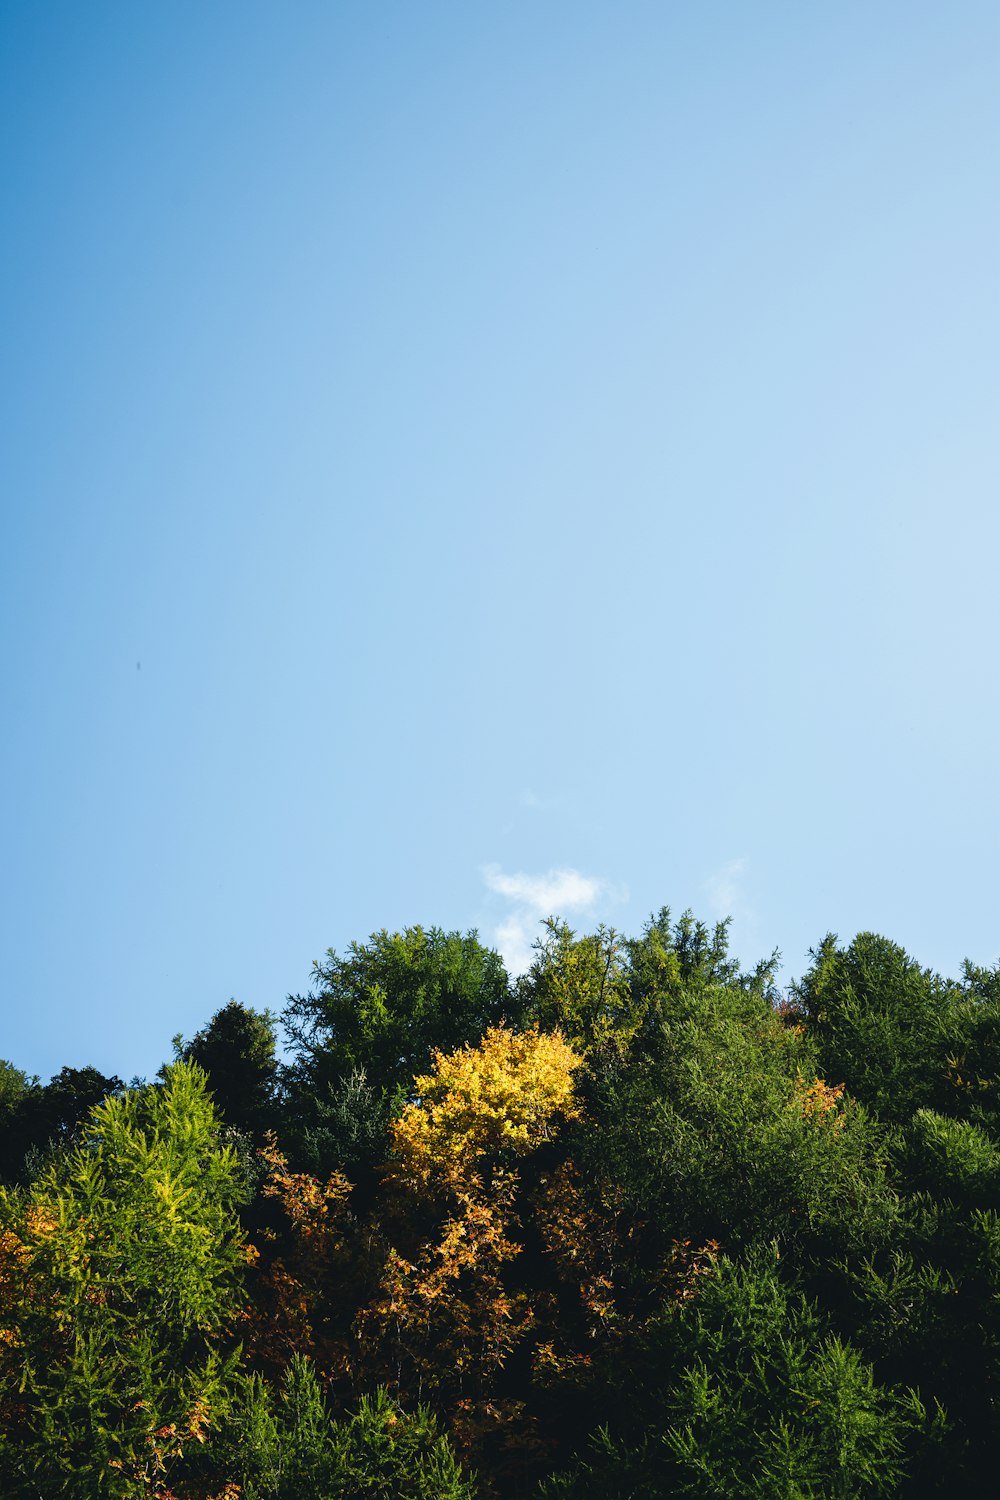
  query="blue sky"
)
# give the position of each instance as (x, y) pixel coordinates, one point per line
(458, 459)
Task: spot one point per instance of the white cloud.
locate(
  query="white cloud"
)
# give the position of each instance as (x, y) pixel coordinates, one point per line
(513, 940)
(560, 893)
(732, 891)
(557, 891)
(725, 890)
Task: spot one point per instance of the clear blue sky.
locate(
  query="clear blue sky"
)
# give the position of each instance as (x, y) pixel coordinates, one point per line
(445, 445)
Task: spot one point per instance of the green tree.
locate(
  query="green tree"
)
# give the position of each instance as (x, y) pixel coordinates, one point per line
(47, 1116)
(123, 1268)
(289, 1446)
(884, 1026)
(716, 1126)
(579, 985)
(600, 988)
(383, 1007)
(671, 957)
(237, 1050)
(758, 1403)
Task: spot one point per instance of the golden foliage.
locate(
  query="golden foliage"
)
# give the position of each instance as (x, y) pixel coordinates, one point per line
(448, 1313)
(504, 1096)
(444, 1314)
(583, 1241)
(291, 1282)
(19, 1289)
(819, 1101)
(312, 1207)
(592, 1241)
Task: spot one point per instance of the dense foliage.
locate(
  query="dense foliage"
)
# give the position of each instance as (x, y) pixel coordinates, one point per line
(634, 1226)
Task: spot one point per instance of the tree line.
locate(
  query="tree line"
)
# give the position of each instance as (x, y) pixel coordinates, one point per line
(633, 1225)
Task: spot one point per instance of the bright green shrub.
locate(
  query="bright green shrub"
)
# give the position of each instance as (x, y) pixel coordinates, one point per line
(289, 1447)
(122, 1272)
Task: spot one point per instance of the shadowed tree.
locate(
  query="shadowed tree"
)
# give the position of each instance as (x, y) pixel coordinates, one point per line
(49, 1115)
(237, 1051)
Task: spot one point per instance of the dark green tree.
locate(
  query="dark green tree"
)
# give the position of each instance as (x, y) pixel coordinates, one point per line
(754, 1401)
(45, 1117)
(715, 1125)
(14, 1085)
(237, 1050)
(387, 1003)
(884, 1026)
(927, 1308)
(341, 1126)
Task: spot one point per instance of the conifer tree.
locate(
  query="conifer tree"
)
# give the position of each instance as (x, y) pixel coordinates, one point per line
(122, 1269)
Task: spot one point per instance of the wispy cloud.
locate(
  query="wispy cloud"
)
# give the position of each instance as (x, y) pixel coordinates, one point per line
(724, 888)
(562, 893)
(556, 891)
(732, 891)
(513, 940)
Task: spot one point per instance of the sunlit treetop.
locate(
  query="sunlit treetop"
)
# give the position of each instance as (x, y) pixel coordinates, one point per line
(505, 1096)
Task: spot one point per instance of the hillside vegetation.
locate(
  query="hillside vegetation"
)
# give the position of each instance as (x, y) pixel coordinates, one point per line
(635, 1225)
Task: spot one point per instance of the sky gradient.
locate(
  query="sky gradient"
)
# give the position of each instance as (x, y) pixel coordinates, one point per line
(456, 458)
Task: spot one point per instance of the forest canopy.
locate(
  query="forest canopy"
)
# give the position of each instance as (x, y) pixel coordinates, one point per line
(636, 1224)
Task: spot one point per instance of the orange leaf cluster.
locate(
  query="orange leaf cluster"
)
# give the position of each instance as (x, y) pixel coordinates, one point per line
(292, 1281)
(819, 1101)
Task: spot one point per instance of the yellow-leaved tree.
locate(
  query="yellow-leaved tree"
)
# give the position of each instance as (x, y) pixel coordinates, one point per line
(482, 1104)
(449, 1311)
